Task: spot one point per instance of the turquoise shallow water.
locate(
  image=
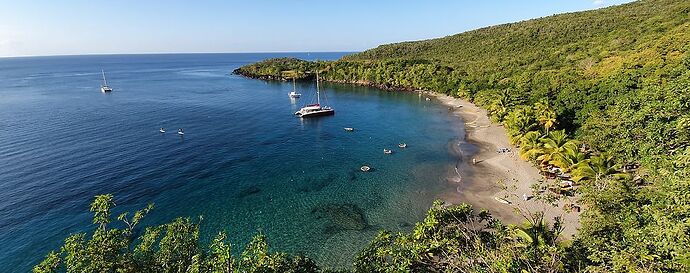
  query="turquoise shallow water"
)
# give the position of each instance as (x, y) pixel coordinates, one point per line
(246, 163)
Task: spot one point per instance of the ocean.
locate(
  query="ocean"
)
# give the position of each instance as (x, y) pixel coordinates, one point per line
(246, 163)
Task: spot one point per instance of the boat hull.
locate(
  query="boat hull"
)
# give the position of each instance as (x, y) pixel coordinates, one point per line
(318, 113)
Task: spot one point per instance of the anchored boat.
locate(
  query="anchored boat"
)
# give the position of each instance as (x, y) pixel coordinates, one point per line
(294, 94)
(315, 110)
(105, 88)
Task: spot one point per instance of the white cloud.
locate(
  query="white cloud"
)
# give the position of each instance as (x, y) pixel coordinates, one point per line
(598, 2)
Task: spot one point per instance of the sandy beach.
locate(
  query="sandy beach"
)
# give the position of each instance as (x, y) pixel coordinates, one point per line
(497, 177)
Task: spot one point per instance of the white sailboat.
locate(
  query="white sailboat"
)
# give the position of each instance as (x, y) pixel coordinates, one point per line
(105, 88)
(294, 94)
(315, 110)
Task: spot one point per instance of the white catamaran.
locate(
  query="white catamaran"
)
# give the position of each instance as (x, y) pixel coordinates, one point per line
(315, 110)
(105, 88)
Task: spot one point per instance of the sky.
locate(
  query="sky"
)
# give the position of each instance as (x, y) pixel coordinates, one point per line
(73, 27)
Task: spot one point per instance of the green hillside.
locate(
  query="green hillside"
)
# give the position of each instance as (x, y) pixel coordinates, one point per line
(583, 63)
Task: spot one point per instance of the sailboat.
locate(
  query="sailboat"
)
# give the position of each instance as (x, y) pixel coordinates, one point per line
(105, 88)
(294, 94)
(315, 110)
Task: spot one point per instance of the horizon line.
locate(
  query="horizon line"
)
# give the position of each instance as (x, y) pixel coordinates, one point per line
(175, 53)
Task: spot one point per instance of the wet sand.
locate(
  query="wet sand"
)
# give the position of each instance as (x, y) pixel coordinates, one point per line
(496, 175)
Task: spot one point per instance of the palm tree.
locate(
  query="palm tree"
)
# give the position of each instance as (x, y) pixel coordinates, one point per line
(541, 106)
(548, 120)
(519, 122)
(530, 146)
(569, 157)
(583, 171)
(498, 108)
(553, 144)
(555, 140)
(538, 240)
(597, 167)
(545, 115)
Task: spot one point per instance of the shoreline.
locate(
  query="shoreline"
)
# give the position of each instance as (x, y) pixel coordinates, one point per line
(480, 184)
(495, 176)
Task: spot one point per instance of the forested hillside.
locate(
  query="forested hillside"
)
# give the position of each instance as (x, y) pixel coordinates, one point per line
(581, 61)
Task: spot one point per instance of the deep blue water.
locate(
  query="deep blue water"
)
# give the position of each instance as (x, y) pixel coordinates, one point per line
(246, 163)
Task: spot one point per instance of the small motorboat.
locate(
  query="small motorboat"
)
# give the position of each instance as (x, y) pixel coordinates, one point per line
(387, 151)
(365, 168)
(402, 145)
(349, 129)
(161, 130)
(428, 99)
(180, 132)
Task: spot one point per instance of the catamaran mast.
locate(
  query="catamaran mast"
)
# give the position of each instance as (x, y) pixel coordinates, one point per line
(318, 98)
(105, 83)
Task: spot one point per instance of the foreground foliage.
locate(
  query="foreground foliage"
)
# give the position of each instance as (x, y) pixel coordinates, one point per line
(450, 239)
(457, 239)
(172, 247)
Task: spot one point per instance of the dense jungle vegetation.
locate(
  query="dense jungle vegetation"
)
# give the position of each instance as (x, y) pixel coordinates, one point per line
(602, 95)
